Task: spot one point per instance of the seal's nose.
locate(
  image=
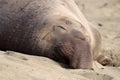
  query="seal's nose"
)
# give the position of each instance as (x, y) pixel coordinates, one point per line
(78, 34)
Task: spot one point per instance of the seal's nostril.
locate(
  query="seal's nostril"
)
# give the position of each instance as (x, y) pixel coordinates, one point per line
(78, 35)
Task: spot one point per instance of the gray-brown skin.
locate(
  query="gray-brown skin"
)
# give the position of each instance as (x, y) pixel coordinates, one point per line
(51, 28)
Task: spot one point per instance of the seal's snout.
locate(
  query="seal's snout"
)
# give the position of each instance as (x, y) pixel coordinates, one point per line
(73, 47)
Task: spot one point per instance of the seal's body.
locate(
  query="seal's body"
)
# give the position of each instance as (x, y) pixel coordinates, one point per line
(51, 28)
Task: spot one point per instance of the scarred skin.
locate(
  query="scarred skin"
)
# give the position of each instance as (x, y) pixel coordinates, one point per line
(52, 28)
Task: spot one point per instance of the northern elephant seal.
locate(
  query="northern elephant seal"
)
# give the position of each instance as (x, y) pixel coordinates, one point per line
(51, 28)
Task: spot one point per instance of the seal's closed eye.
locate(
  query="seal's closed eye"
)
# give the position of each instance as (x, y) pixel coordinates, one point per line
(59, 29)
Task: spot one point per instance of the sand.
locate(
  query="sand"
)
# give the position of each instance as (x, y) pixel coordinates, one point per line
(18, 66)
(105, 15)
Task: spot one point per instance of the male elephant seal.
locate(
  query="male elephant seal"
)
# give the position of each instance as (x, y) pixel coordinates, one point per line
(51, 28)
